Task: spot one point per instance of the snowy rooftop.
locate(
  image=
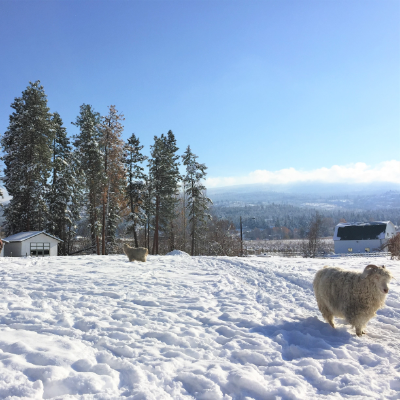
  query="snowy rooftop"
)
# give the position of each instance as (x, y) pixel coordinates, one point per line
(20, 237)
(360, 230)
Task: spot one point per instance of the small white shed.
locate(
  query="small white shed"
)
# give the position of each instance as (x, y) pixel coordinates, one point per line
(33, 243)
(360, 237)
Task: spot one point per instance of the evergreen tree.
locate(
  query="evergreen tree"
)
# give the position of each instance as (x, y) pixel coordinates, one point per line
(77, 202)
(114, 174)
(149, 210)
(90, 158)
(197, 202)
(63, 184)
(27, 147)
(164, 177)
(136, 187)
(112, 220)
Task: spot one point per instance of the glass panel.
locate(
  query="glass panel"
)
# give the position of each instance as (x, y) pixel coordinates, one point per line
(40, 249)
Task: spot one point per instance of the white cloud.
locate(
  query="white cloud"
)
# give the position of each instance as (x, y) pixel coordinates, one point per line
(388, 171)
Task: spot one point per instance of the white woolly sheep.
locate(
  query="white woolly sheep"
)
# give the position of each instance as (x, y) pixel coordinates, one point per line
(136, 253)
(351, 295)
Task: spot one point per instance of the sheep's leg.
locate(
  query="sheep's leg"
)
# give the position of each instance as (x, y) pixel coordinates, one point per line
(330, 320)
(359, 331)
(360, 322)
(326, 313)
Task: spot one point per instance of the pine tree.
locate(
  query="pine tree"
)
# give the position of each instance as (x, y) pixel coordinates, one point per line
(164, 177)
(197, 202)
(63, 184)
(27, 147)
(90, 158)
(77, 203)
(136, 186)
(114, 174)
(149, 210)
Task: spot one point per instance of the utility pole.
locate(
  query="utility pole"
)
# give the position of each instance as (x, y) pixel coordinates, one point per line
(241, 237)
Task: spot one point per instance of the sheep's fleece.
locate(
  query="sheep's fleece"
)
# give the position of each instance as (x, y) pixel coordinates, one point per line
(136, 253)
(351, 295)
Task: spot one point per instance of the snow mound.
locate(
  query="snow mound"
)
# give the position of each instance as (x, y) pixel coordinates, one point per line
(178, 253)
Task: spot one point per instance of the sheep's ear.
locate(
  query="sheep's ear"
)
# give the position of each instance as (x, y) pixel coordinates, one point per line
(368, 270)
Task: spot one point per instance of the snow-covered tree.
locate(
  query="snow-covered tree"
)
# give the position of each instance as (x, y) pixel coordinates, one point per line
(112, 146)
(77, 203)
(63, 185)
(164, 177)
(27, 146)
(90, 157)
(197, 203)
(136, 184)
(148, 206)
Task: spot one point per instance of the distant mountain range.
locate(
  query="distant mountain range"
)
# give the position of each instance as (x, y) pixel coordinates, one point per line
(316, 195)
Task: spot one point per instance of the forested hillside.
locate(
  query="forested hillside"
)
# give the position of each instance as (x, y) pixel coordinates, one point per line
(284, 221)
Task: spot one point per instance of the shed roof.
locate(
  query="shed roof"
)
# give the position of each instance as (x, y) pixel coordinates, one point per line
(361, 230)
(20, 237)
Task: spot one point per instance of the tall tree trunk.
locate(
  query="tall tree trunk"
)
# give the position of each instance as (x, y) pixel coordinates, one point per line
(92, 218)
(40, 217)
(135, 235)
(148, 233)
(193, 221)
(134, 223)
(147, 242)
(145, 235)
(193, 236)
(184, 219)
(105, 199)
(156, 228)
(54, 162)
(103, 228)
(172, 238)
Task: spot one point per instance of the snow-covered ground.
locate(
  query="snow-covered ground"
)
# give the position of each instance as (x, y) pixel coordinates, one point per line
(176, 327)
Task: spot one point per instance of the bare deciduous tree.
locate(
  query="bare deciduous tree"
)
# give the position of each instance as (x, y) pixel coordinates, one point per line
(312, 245)
(393, 246)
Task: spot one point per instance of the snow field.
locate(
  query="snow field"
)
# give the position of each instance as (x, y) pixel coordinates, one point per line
(180, 327)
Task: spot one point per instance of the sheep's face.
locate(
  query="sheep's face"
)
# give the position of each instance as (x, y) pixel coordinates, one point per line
(381, 276)
(382, 284)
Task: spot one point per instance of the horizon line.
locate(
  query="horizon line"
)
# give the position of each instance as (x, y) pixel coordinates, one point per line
(356, 173)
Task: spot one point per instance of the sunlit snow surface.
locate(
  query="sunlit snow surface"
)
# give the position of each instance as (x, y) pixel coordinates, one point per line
(176, 327)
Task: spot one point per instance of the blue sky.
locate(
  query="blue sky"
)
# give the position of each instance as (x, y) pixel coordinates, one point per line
(258, 89)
